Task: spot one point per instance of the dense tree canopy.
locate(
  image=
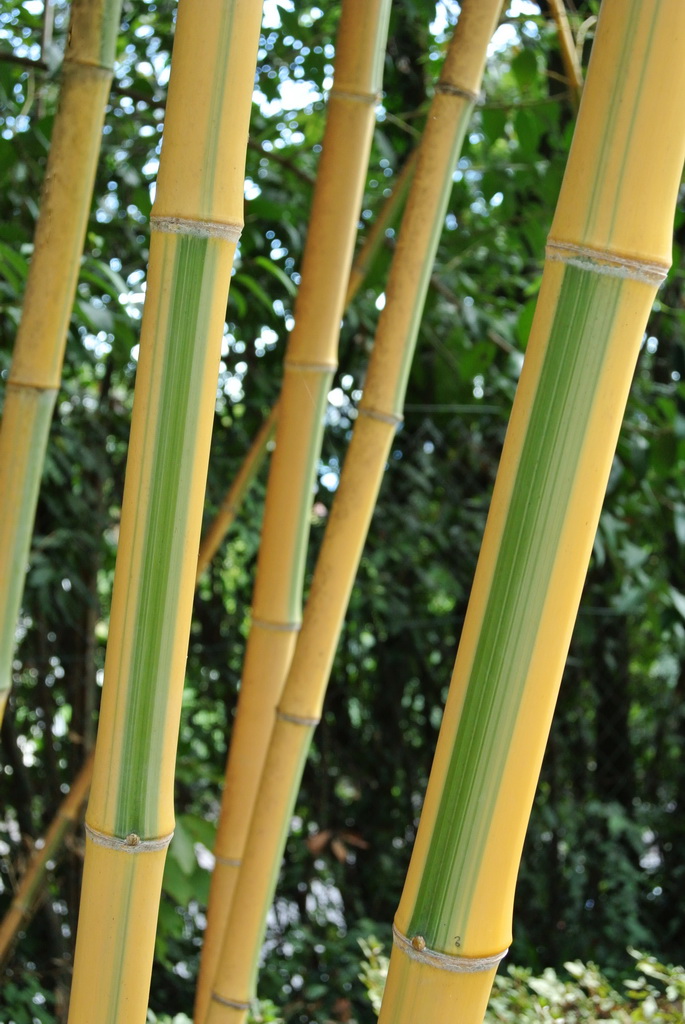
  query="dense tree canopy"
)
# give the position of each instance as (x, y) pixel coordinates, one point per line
(603, 866)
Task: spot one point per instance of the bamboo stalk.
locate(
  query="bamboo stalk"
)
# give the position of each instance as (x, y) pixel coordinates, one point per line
(25, 898)
(567, 46)
(196, 222)
(380, 411)
(39, 348)
(609, 248)
(309, 364)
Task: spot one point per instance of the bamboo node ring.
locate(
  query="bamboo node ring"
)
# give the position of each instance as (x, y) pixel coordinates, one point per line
(17, 384)
(447, 89)
(416, 949)
(356, 97)
(291, 364)
(79, 66)
(197, 228)
(132, 843)
(278, 627)
(296, 719)
(229, 862)
(385, 417)
(604, 261)
(234, 1004)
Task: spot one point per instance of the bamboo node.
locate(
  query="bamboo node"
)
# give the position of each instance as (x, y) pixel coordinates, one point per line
(234, 1004)
(197, 228)
(296, 719)
(604, 261)
(21, 385)
(370, 98)
(385, 417)
(229, 862)
(103, 71)
(416, 949)
(278, 627)
(291, 364)
(448, 89)
(132, 843)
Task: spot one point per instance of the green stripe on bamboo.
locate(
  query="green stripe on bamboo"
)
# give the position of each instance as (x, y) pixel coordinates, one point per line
(38, 355)
(196, 222)
(310, 359)
(608, 249)
(545, 478)
(192, 269)
(380, 411)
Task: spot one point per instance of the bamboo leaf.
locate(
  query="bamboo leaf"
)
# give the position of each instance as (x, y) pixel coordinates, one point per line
(278, 273)
(678, 600)
(524, 67)
(182, 848)
(245, 281)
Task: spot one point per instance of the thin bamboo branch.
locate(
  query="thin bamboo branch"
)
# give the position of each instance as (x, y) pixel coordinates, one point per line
(45, 44)
(584, 30)
(567, 46)
(310, 360)
(196, 222)
(541, 101)
(380, 411)
(39, 348)
(47, 26)
(25, 898)
(26, 62)
(376, 236)
(283, 161)
(609, 248)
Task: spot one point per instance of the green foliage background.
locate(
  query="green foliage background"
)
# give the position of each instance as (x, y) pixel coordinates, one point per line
(603, 866)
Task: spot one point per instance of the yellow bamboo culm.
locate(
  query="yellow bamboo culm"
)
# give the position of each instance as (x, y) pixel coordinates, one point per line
(310, 359)
(380, 412)
(608, 250)
(196, 222)
(38, 355)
